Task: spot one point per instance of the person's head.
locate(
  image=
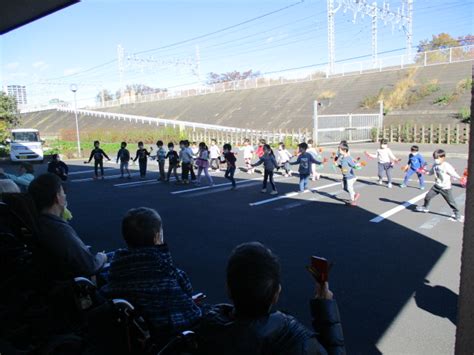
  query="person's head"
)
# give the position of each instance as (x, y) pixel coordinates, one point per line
(193, 144)
(186, 143)
(383, 143)
(96, 144)
(26, 168)
(414, 149)
(202, 146)
(344, 149)
(159, 144)
(213, 142)
(170, 146)
(8, 186)
(246, 141)
(48, 194)
(302, 147)
(142, 227)
(262, 142)
(227, 148)
(343, 142)
(55, 157)
(267, 149)
(181, 144)
(123, 145)
(281, 146)
(439, 156)
(253, 279)
(140, 145)
(310, 143)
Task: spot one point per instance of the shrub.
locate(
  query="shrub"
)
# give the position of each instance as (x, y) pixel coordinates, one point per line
(443, 100)
(464, 114)
(327, 94)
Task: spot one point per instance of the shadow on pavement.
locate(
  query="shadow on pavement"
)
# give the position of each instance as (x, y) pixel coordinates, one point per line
(437, 300)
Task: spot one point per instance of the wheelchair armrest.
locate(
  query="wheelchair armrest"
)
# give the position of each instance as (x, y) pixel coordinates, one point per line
(84, 291)
(198, 298)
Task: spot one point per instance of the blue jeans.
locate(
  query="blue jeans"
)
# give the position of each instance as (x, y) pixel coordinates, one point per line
(303, 181)
(408, 175)
(229, 174)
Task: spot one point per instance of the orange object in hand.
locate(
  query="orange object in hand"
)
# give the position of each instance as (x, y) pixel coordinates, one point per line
(405, 168)
(363, 163)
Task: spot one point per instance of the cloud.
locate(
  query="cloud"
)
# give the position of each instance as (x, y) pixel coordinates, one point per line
(18, 75)
(12, 66)
(269, 40)
(70, 71)
(40, 65)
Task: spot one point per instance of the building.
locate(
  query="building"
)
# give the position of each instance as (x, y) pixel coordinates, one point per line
(18, 92)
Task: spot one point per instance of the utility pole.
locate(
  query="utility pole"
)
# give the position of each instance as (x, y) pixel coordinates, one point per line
(331, 39)
(409, 27)
(374, 33)
(121, 66)
(73, 88)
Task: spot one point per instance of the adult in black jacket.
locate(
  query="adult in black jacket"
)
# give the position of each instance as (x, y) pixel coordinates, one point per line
(250, 327)
(58, 167)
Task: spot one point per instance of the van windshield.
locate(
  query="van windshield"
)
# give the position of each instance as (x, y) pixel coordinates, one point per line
(24, 137)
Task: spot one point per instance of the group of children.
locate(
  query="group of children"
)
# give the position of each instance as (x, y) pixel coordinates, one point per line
(308, 158)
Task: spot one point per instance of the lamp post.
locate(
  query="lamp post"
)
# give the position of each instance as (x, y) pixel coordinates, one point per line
(73, 88)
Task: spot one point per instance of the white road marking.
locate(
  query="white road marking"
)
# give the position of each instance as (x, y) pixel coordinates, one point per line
(213, 186)
(397, 209)
(107, 177)
(87, 171)
(431, 223)
(292, 194)
(140, 183)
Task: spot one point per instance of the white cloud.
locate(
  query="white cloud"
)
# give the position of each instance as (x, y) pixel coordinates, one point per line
(70, 71)
(12, 66)
(40, 65)
(269, 40)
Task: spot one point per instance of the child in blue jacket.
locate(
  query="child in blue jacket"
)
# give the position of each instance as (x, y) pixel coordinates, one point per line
(414, 166)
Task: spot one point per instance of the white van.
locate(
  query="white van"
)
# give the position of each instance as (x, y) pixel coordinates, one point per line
(26, 145)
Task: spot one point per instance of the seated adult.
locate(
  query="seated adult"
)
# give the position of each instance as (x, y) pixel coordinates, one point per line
(250, 326)
(145, 275)
(58, 167)
(66, 250)
(24, 177)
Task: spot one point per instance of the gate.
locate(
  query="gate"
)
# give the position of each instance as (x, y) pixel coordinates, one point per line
(331, 129)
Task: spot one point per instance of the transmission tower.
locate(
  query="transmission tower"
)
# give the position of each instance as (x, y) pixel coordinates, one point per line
(403, 17)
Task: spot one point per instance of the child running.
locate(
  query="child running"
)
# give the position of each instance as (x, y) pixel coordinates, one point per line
(347, 165)
(284, 157)
(312, 150)
(142, 157)
(124, 156)
(386, 159)
(214, 153)
(414, 165)
(173, 161)
(98, 154)
(269, 163)
(161, 158)
(230, 159)
(305, 160)
(202, 163)
(443, 171)
(248, 155)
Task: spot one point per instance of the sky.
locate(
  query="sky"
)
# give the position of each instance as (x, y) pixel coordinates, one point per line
(79, 44)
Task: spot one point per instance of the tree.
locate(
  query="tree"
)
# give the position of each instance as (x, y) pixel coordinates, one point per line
(441, 45)
(138, 89)
(214, 78)
(104, 95)
(8, 114)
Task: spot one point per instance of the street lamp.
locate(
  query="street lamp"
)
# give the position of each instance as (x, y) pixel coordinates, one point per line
(73, 88)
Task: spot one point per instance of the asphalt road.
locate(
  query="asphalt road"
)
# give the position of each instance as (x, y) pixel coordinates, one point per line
(395, 274)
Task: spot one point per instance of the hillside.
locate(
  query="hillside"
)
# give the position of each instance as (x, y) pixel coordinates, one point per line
(290, 105)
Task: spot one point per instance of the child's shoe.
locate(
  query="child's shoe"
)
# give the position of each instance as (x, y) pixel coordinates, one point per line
(274, 192)
(422, 209)
(457, 218)
(402, 186)
(389, 185)
(263, 191)
(422, 188)
(380, 182)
